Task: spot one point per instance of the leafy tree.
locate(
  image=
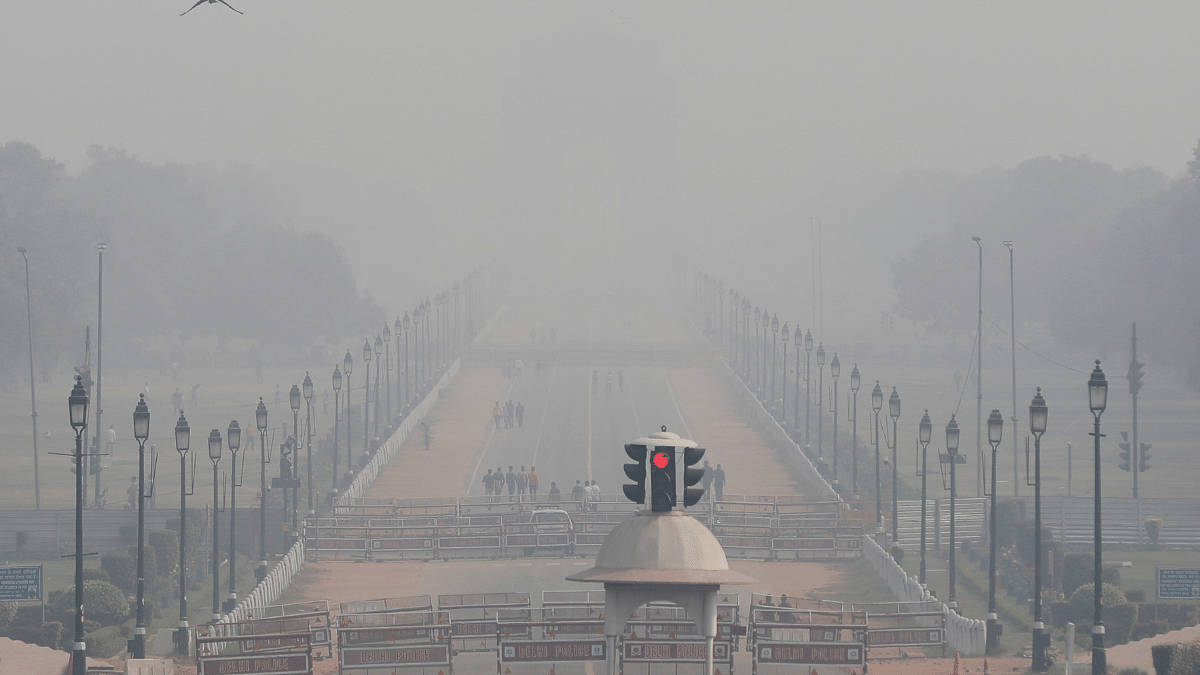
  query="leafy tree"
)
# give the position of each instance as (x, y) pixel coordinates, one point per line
(102, 602)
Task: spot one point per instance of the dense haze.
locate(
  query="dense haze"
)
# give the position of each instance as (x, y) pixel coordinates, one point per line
(328, 164)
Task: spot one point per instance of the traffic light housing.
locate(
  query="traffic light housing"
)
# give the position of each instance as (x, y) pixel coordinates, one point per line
(636, 492)
(691, 476)
(662, 478)
(1137, 370)
(1124, 454)
(1144, 457)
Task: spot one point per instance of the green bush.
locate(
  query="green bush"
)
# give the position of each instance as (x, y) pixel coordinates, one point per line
(47, 635)
(105, 642)
(1131, 671)
(93, 574)
(1008, 516)
(27, 615)
(1162, 655)
(7, 611)
(1077, 570)
(1153, 529)
(1186, 659)
(166, 551)
(122, 571)
(1138, 596)
(102, 602)
(1119, 614)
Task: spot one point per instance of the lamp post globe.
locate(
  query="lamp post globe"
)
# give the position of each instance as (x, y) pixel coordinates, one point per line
(77, 405)
(952, 438)
(233, 437)
(1097, 402)
(214, 453)
(1038, 413)
(141, 432)
(995, 429)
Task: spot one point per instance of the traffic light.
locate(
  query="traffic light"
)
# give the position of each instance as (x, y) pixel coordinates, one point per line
(662, 478)
(1144, 457)
(1136, 373)
(1124, 454)
(636, 493)
(691, 476)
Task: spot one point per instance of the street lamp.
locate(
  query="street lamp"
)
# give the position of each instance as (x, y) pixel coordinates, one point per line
(766, 323)
(417, 347)
(37, 482)
(820, 399)
(1038, 412)
(808, 344)
(387, 378)
(260, 421)
(407, 395)
(924, 433)
(783, 389)
(995, 428)
(877, 405)
(757, 351)
(141, 432)
(855, 381)
(378, 353)
(183, 434)
(214, 453)
(733, 303)
(366, 352)
(835, 369)
(337, 411)
(233, 436)
(347, 366)
(774, 364)
(796, 404)
(78, 406)
(894, 411)
(398, 328)
(294, 400)
(308, 434)
(746, 336)
(952, 434)
(1097, 401)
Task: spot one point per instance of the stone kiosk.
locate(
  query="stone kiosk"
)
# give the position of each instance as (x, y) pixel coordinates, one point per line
(663, 555)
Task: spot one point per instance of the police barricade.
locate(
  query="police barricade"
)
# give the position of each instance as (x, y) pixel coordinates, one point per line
(393, 639)
(391, 658)
(812, 633)
(399, 617)
(584, 598)
(313, 624)
(797, 504)
(382, 527)
(537, 644)
(425, 506)
(675, 652)
(474, 617)
(287, 609)
(664, 619)
(330, 527)
(809, 520)
(282, 654)
(744, 504)
(746, 547)
(405, 603)
(470, 541)
(403, 543)
(905, 624)
(800, 543)
(525, 540)
(331, 548)
(489, 506)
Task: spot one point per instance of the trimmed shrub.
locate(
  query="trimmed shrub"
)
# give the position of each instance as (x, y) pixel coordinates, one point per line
(1135, 595)
(166, 551)
(1162, 656)
(1131, 671)
(47, 635)
(1153, 529)
(105, 642)
(1186, 659)
(93, 574)
(1076, 571)
(1119, 614)
(1008, 516)
(122, 571)
(7, 611)
(102, 602)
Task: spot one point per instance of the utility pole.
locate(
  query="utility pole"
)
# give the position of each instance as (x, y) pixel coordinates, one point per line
(1134, 376)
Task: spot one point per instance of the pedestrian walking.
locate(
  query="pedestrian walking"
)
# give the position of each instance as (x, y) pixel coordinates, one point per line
(608, 385)
(520, 414)
(496, 413)
(511, 480)
(706, 480)
(555, 494)
(595, 500)
(719, 482)
(487, 482)
(621, 380)
(522, 482)
(110, 440)
(498, 483)
(533, 481)
(577, 493)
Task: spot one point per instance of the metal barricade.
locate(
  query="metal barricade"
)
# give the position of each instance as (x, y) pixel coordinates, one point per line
(474, 617)
(404, 603)
(471, 541)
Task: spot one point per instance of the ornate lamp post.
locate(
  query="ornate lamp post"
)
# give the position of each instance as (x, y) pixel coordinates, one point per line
(746, 336)
(141, 432)
(877, 405)
(835, 369)
(367, 389)
(808, 344)
(820, 400)
(774, 364)
(924, 434)
(308, 434)
(766, 323)
(796, 404)
(233, 436)
(378, 364)
(757, 352)
(398, 328)
(337, 411)
(214, 453)
(733, 303)
(183, 434)
(1097, 402)
(78, 405)
(855, 381)
(387, 378)
(417, 348)
(294, 400)
(347, 366)
(952, 434)
(783, 389)
(260, 421)
(995, 428)
(894, 411)
(1038, 412)
(407, 395)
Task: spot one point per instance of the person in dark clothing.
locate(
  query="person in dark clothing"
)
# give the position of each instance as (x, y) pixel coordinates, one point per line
(511, 479)
(487, 482)
(719, 482)
(520, 414)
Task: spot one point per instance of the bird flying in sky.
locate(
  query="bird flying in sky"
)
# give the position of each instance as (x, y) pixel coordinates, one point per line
(211, 2)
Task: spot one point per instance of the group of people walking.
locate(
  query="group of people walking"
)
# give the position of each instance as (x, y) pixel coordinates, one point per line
(518, 484)
(508, 414)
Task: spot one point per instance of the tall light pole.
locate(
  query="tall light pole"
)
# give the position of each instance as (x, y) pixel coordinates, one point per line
(1097, 401)
(367, 392)
(979, 380)
(78, 405)
(952, 435)
(37, 481)
(398, 328)
(784, 388)
(347, 366)
(1012, 334)
(808, 344)
(855, 381)
(746, 336)
(995, 427)
(407, 394)
(378, 364)
(308, 434)
(796, 403)
(877, 405)
(766, 323)
(183, 435)
(894, 411)
(141, 432)
(835, 369)
(417, 348)
(260, 421)
(337, 411)
(924, 434)
(214, 453)
(233, 436)
(820, 400)
(733, 302)
(387, 378)
(294, 478)
(757, 352)
(99, 351)
(774, 363)
(1038, 412)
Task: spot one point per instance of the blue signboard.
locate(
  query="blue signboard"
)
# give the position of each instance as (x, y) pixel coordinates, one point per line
(1178, 583)
(20, 583)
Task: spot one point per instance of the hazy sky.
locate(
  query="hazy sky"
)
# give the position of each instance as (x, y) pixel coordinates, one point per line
(771, 100)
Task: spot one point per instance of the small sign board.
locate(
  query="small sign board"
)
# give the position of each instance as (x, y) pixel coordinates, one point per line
(810, 653)
(553, 650)
(20, 583)
(675, 651)
(279, 663)
(414, 655)
(1178, 583)
(904, 637)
